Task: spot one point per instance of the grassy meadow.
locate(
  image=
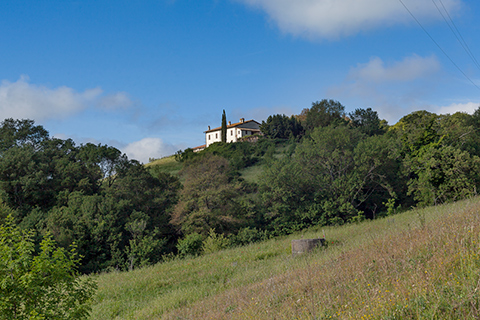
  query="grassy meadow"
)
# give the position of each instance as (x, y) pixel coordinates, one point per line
(166, 165)
(420, 264)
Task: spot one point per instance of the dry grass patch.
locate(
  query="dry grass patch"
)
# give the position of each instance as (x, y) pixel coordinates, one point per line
(416, 265)
(428, 268)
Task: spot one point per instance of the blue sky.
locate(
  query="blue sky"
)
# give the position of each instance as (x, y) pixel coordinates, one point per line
(148, 77)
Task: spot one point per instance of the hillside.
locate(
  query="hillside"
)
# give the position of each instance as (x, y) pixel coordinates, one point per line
(249, 173)
(125, 216)
(418, 264)
(166, 164)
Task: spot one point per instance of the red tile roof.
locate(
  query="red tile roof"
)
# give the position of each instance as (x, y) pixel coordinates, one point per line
(233, 125)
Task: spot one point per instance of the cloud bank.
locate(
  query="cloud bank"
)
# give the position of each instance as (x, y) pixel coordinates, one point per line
(409, 69)
(393, 89)
(21, 99)
(468, 107)
(397, 88)
(148, 148)
(338, 18)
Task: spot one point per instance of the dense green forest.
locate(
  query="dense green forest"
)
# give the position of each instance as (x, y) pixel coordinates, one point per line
(321, 167)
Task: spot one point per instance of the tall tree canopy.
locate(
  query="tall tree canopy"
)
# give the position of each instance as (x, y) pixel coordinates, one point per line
(367, 121)
(281, 127)
(89, 194)
(327, 179)
(324, 113)
(21, 132)
(211, 198)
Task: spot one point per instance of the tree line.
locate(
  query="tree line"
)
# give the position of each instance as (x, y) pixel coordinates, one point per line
(321, 167)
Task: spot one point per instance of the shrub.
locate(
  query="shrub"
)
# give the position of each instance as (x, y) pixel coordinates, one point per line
(40, 286)
(190, 245)
(215, 242)
(248, 235)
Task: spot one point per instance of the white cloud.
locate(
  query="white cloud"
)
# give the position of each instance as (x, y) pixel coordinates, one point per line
(468, 107)
(21, 99)
(409, 69)
(148, 148)
(337, 18)
(116, 100)
(393, 89)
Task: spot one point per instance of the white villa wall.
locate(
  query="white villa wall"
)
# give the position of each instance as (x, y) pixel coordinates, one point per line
(212, 137)
(234, 132)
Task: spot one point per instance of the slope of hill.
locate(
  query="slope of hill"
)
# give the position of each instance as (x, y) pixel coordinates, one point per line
(166, 164)
(418, 264)
(249, 173)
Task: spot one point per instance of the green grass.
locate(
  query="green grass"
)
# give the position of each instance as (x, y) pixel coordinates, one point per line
(415, 265)
(167, 165)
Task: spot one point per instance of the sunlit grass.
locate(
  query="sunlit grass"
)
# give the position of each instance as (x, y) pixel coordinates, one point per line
(419, 264)
(167, 165)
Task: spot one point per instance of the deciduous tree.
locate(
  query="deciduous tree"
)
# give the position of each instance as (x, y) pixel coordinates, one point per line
(324, 113)
(281, 127)
(367, 121)
(442, 174)
(210, 198)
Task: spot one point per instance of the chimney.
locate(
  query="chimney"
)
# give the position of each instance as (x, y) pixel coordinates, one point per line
(242, 120)
(229, 123)
(208, 127)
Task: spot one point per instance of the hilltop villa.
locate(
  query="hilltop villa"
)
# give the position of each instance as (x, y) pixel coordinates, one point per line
(235, 131)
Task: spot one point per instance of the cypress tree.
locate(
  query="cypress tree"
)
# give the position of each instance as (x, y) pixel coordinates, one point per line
(224, 127)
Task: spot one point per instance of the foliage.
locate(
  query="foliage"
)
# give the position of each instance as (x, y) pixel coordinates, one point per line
(215, 242)
(185, 155)
(367, 121)
(324, 113)
(190, 245)
(416, 130)
(459, 130)
(379, 158)
(143, 243)
(88, 194)
(248, 235)
(281, 127)
(42, 285)
(5, 211)
(327, 180)
(240, 154)
(107, 226)
(443, 174)
(15, 133)
(124, 215)
(224, 128)
(210, 198)
(32, 178)
(102, 159)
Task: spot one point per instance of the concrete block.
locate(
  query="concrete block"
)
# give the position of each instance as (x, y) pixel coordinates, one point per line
(306, 245)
